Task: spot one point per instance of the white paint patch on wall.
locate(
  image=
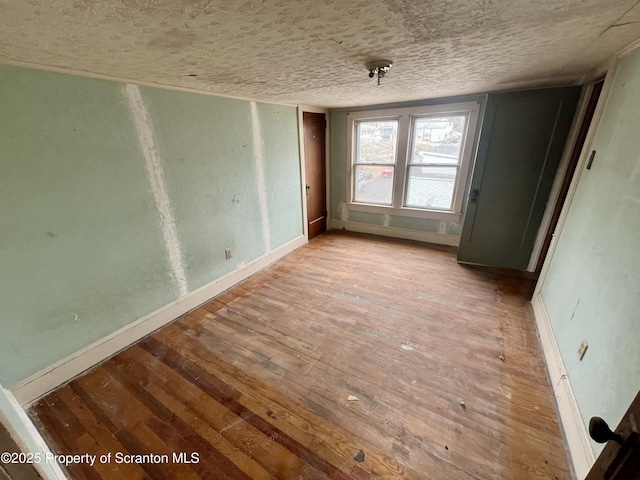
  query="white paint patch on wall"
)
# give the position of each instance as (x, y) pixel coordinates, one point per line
(155, 173)
(344, 213)
(262, 189)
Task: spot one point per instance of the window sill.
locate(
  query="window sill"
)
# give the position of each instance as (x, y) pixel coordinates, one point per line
(405, 212)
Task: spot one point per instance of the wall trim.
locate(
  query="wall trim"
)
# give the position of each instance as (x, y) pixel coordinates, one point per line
(42, 382)
(303, 173)
(405, 233)
(575, 432)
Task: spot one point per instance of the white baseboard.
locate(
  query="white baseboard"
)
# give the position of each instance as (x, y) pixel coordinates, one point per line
(26, 435)
(405, 233)
(42, 382)
(575, 431)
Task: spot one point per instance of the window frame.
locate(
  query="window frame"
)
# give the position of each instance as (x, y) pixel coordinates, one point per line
(406, 120)
(356, 146)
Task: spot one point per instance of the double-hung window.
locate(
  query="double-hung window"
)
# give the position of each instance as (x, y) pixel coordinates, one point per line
(411, 161)
(376, 153)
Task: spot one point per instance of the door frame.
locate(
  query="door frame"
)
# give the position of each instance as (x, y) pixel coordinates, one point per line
(608, 69)
(303, 173)
(578, 444)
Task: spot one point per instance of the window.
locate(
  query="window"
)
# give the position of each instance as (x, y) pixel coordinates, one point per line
(411, 161)
(377, 143)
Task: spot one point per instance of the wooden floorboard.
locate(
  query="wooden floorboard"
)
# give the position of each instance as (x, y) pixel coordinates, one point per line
(443, 359)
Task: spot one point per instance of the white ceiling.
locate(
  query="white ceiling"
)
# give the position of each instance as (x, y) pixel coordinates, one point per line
(313, 53)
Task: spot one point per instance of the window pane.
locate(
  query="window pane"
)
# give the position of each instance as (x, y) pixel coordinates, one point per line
(431, 187)
(377, 141)
(438, 139)
(374, 184)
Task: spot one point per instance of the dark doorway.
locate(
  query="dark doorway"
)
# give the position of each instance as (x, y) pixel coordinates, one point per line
(571, 168)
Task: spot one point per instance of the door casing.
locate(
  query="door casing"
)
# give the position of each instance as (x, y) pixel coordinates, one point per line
(303, 173)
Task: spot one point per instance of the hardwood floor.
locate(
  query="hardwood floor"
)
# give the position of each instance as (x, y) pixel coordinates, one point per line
(443, 359)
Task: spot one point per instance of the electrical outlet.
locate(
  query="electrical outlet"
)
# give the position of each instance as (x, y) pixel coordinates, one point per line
(582, 349)
(227, 253)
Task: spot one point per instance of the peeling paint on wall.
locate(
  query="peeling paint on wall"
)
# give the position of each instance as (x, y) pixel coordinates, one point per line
(144, 129)
(262, 190)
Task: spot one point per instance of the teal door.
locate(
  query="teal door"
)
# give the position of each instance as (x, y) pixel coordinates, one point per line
(521, 142)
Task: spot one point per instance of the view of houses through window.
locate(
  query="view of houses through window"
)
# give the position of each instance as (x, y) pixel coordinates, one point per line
(434, 161)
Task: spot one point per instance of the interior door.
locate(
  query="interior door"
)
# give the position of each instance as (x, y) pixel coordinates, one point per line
(620, 459)
(521, 142)
(314, 126)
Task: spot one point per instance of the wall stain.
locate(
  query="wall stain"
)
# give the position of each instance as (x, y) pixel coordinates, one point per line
(574, 309)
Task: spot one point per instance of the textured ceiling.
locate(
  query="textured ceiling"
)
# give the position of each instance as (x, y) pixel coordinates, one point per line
(313, 53)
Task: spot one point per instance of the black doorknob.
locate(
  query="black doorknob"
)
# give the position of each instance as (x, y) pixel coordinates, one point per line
(600, 431)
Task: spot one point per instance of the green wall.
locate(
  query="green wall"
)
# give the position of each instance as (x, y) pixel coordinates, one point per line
(338, 163)
(592, 290)
(280, 147)
(82, 251)
(338, 172)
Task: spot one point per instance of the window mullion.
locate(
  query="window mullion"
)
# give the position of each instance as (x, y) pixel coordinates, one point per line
(401, 160)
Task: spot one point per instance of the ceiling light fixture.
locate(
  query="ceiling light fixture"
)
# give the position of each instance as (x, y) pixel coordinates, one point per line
(379, 68)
